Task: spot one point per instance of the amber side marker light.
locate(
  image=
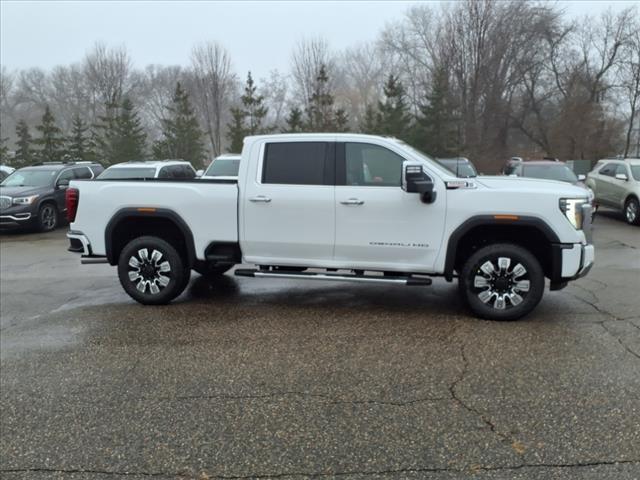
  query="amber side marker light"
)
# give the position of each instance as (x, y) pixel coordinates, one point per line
(506, 217)
(146, 210)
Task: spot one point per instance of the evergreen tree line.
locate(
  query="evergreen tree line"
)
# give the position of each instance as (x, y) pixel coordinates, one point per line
(119, 135)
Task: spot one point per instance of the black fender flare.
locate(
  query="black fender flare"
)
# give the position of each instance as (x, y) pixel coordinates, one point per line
(482, 220)
(148, 212)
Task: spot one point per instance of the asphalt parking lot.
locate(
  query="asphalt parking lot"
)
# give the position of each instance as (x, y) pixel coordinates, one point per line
(249, 378)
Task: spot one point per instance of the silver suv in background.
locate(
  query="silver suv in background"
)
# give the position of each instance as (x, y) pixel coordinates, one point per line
(616, 184)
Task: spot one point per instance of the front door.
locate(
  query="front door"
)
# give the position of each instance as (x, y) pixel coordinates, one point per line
(378, 225)
(288, 205)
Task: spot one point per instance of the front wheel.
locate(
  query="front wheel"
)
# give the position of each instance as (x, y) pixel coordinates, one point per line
(47, 217)
(151, 271)
(501, 282)
(632, 211)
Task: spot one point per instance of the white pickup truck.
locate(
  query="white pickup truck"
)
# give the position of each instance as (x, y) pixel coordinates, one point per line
(339, 207)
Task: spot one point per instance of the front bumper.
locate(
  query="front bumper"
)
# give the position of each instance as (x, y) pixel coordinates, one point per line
(570, 262)
(16, 220)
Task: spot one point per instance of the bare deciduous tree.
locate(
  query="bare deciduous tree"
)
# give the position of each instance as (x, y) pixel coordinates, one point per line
(214, 82)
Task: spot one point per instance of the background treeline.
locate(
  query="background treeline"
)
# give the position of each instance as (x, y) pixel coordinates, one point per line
(484, 79)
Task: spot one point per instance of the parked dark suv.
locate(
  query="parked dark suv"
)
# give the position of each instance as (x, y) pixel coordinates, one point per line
(34, 196)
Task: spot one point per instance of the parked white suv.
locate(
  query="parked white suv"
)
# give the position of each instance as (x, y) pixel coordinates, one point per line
(616, 184)
(149, 169)
(340, 207)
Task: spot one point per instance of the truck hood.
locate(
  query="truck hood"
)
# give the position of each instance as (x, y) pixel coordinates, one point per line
(21, 191)
(563, 189)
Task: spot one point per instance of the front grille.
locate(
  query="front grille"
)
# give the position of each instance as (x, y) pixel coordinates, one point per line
(5, 202)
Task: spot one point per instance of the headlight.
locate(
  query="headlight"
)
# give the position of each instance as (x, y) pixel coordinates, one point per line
(24, 200)
(572, 209)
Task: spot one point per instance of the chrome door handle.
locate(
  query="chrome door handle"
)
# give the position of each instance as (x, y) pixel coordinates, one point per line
(352, 201)
(260, 199)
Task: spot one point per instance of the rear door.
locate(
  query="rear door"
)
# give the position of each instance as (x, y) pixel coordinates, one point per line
(379, 225)
(288, 204)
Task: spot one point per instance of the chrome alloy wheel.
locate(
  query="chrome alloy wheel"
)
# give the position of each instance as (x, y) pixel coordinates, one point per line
(147, 271)
(500, 286)
(48, 217)
(631, 212)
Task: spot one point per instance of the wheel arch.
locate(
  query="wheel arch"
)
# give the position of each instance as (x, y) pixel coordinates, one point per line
(532, 233)
(129, 223)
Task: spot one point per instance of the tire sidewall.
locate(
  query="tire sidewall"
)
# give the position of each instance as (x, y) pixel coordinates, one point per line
(626, 206)
(56, 217)
(179, 274)
(517, 255)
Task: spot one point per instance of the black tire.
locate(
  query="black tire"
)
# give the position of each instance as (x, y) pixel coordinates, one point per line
(632, 211)
(211, 272)
(507, 293)
(159, 279)
(48, 217)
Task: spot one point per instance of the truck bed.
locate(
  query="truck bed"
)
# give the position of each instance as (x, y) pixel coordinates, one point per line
(212, 205)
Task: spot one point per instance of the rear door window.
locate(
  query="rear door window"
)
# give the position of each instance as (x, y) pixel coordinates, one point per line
(297, 163)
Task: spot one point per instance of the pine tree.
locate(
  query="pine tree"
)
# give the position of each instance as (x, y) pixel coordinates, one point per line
(236, 130)
(79, 144)
(295, 124)
(369, 123)
(393, 117)
(182, 137)
(341, 121)
(254, 108)
(24, 153)
(4, 151)
(321, 104)
(50, 142)
(120, 136)
(436, 130)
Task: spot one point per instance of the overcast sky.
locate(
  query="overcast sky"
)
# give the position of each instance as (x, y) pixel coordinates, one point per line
(259, 35)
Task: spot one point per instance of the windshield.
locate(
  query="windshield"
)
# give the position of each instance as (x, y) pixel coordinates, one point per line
(461, 168)
(550, 172)
(29, 178)
(223, 168)
(635, 171)
(425, 157)
(121, 173)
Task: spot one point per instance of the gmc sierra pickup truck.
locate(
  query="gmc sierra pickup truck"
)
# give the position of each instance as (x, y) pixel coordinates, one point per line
(339, 207)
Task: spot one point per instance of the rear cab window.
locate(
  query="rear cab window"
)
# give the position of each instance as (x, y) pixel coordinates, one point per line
(298, 163)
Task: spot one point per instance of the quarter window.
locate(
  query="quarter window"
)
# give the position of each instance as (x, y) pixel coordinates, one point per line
(372, 165)
(295, 163)
(83, 172)
(609, 170)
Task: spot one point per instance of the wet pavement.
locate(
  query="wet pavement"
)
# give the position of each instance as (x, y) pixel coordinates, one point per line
(251, 378)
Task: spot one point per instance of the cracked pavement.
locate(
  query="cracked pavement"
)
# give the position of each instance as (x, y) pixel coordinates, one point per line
(249, 378)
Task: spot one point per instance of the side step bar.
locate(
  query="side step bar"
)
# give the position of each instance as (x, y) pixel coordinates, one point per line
(400, 280)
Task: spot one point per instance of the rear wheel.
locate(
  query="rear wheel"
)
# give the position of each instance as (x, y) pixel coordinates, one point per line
(47, 217)
(151, 271)
(501, 282)
(632, 211)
